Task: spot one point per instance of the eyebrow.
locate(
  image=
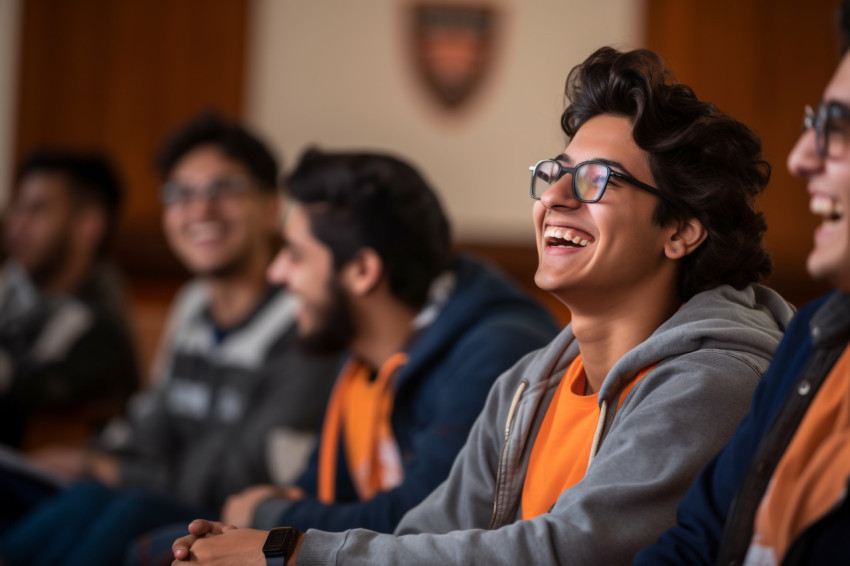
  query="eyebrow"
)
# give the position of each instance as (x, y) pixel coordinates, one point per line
(609, 162)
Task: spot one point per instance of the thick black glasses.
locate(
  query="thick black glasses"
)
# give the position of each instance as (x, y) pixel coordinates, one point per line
(831, 122)
(176, 193)
(590, 179)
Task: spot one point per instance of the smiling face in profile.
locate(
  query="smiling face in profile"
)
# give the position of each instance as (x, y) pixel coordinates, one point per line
(607, 248)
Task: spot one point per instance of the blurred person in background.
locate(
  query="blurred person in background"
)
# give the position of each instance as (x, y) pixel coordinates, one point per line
(228, 382)
(64, 337)
(427, 332)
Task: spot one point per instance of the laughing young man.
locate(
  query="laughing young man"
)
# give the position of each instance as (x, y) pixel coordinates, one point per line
(646, 230)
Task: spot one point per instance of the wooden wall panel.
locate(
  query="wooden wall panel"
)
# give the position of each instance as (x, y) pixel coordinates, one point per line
(760, 61)
(118, 76)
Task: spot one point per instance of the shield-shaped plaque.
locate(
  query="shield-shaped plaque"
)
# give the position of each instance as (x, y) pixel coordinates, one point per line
(452, 48)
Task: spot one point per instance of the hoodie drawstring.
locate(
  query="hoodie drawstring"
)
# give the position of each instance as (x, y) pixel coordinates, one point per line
(597, 436)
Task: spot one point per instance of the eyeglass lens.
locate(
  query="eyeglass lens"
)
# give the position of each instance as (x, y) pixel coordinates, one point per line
(832, 130)
(175, 192)
(588, 179)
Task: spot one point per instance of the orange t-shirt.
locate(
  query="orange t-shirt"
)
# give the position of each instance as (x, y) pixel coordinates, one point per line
(562, 448)
(812, 474)
(360, 409)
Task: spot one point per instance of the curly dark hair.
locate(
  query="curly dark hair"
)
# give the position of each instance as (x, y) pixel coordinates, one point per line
(236, 142)
(356, 200)
(705, 162)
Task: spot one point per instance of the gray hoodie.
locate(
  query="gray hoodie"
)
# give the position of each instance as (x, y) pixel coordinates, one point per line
(710, 355)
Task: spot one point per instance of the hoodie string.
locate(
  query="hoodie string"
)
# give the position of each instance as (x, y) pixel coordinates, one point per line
(600, 426)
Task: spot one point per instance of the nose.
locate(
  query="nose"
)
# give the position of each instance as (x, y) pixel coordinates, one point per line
(560, 193)
(803, 161)
(278, 270)
(200, 204)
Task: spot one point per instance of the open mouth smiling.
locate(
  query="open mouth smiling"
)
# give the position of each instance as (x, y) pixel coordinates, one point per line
(559, 236)
(826, 207)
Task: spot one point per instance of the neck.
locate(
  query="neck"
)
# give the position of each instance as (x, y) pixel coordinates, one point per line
(235, 296)
(71, 279)
(606, 332)
(383, 328)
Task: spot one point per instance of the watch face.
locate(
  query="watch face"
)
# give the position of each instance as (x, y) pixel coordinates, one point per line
(280, 541)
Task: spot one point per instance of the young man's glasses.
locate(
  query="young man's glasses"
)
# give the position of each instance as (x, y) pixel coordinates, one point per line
(831, 122)
(590, 179)
(177, 193)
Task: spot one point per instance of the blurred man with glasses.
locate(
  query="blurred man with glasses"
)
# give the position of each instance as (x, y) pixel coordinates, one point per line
(778, 492)
(229, 389)
(646, 229)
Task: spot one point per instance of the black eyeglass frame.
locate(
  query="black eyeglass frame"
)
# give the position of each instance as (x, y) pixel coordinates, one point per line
(819, 120)
(564, 169)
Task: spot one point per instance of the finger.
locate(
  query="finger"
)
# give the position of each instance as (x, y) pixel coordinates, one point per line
(181, 553)
(293, 492)
(226, 528)
(180, 548)
(200, 527)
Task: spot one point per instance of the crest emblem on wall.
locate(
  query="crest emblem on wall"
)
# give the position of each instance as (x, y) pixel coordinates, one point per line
(452, 48)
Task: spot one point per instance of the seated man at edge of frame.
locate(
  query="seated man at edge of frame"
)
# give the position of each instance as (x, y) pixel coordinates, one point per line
(777, 493)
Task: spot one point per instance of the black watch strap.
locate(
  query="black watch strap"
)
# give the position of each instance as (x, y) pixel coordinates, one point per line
(279, 545)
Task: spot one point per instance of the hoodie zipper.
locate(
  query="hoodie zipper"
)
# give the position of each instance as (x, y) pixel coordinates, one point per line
(500, 471)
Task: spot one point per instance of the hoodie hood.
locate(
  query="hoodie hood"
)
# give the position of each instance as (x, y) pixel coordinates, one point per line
(478, 288)
(745, 323)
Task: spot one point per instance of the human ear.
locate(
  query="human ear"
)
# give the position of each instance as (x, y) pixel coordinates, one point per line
(689, 234)
(362, 274)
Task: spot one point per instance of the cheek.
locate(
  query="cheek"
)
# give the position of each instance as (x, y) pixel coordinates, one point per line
(300, 280)
(836, 178)
(171, 224)
(538, 212)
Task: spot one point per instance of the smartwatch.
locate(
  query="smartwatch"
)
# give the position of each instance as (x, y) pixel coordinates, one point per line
(279, 545)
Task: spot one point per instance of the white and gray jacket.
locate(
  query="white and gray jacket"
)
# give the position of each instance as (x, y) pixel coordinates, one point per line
(710, 355)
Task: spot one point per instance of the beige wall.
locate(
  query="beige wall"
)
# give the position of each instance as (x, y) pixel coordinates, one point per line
(9, 28)
(338, 74)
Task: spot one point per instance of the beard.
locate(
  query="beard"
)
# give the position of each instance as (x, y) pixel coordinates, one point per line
(52, 264)
(334, 329)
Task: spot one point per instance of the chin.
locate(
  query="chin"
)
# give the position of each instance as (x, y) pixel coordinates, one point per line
(825, 266)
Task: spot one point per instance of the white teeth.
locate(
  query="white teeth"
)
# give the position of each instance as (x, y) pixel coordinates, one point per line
(561, 234)
(205, 230)
(825, 206)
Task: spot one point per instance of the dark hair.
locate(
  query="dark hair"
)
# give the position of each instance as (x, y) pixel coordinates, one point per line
(357, 200)
(706, 162)
(235, 141)
(92, 179)
(844, 25)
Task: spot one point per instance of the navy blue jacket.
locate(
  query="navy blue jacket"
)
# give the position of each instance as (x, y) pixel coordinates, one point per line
(485, 326)
(715, 519)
